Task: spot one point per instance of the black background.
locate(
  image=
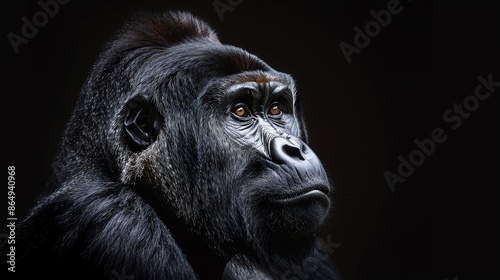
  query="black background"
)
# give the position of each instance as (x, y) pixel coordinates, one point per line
(441, 223)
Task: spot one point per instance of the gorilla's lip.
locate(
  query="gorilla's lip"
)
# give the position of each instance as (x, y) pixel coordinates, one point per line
(316, 192)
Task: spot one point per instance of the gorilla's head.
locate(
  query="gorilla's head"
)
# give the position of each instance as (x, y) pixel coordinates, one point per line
(210, 135)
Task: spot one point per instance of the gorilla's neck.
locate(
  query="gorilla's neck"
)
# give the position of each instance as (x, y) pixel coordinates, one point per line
(238, 268)
(263, 265)
(203, 259)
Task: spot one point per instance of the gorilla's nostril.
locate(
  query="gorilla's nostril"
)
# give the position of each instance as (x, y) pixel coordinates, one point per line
(286, 150)
(293, 151)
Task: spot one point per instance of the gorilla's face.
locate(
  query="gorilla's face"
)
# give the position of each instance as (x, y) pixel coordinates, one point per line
(225, 147)
(277, 182)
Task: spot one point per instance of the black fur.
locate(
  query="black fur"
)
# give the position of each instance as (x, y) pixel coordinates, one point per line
(194, 200)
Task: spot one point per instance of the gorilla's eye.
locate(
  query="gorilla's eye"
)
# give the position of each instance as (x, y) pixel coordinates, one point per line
(275, 110)
(240, 111)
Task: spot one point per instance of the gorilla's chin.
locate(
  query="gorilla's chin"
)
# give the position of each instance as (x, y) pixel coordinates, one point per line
(302, 219)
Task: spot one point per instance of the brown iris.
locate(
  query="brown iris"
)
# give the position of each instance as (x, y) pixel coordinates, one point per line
(275, 110)
(239, 111)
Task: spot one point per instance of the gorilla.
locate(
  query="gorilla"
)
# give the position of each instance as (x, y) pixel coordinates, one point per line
(183, 159)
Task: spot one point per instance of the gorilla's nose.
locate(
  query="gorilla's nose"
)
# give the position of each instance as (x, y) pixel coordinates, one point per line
(292, 151)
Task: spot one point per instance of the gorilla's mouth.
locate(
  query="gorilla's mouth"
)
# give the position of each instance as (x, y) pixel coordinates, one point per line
(316, 192)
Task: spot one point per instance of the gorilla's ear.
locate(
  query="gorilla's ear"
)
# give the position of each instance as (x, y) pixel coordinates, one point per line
(142, 122)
